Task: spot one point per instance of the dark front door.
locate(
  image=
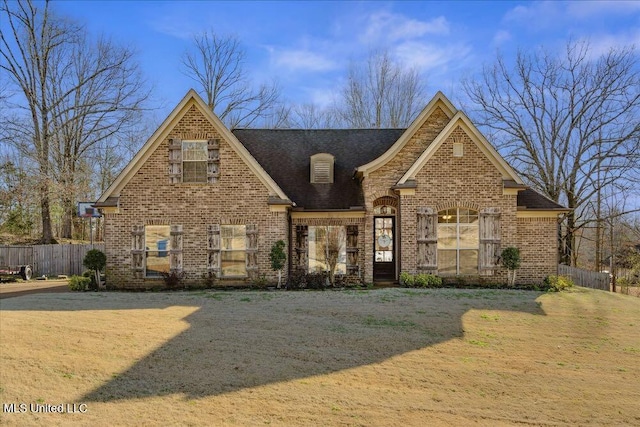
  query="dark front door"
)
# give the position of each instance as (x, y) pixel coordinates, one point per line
(384, 253)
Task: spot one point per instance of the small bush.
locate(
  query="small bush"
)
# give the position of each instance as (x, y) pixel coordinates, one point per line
(421, 280)
(260, 280)
(93, 286)
(317, 280)
(79, 283)
(173, 279)
(209, 280)
(557, 283)
(407, 280)
(300, 279)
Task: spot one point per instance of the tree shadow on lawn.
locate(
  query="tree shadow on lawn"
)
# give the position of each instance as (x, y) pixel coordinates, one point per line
(239, 340)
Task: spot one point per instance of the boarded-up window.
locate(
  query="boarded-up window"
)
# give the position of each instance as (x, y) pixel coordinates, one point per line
(302, 254)
(427, 239)
(175, 248)
(213, 250)
(137, 251)
(489, 240)
(252, 249)
(352, 250)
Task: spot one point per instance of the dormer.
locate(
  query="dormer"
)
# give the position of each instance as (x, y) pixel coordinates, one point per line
(321, 170)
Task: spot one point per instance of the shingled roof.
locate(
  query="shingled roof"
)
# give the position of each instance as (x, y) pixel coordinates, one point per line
(285, 155)
(531, 199)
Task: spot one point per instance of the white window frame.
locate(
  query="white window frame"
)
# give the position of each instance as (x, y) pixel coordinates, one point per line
(186, 150)
(148, 249)
(458, 248)
(226, 249)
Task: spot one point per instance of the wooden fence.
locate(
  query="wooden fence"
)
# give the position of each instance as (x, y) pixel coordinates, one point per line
(586, 278)
(48, 260)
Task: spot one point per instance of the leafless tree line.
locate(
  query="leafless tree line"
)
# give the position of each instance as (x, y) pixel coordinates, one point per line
(74, 95)
(568, 122)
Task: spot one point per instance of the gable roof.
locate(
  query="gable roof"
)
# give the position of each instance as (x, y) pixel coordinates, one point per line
(439, 100)
(531, 199)
(460, 119)
(286, 154)
(190, 99)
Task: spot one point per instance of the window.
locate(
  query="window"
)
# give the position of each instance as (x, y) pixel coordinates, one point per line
(194, 161)
(327, 249)
(233, 250)
(157, 241)
(458, 241)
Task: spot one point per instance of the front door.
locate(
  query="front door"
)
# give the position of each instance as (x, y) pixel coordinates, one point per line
(384, 261)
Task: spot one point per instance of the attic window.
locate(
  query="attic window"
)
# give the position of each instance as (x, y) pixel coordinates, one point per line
(458, 149)
(322, 168)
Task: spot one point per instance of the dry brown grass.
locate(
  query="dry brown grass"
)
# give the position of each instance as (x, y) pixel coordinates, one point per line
(382, 357)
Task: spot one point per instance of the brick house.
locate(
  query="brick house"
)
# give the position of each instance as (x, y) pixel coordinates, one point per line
(435, 198)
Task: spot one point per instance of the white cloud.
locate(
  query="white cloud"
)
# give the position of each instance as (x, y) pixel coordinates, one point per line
(302, 59)
(430, 56)
(536, 15)
(394, 27)
(603, 43)
(501, 37)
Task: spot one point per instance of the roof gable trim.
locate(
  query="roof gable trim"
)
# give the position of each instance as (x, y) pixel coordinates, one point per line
(481, 142)
(439, 100)
(191, 98)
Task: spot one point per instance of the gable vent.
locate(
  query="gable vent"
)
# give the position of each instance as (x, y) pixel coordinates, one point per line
(458, 149)
(322, 168)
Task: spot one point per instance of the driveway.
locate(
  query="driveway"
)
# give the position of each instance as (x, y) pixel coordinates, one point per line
(17, 289)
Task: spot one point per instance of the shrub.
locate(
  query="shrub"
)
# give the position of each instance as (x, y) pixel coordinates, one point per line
(95, 260)
(209, 279)
(278, 258)
(428, 281)
(260, 280)
(79, 283)
(300, 279)
(93, 286)
(407, 280)
(557, 283)
(296, 280)
(317, 280)
(173, 279)
(421, 280)
(434, 281)
(511, 261)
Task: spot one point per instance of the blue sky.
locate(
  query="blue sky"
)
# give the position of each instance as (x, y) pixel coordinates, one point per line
(307, 46)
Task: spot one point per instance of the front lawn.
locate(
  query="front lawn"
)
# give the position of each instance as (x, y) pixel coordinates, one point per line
(373, 357)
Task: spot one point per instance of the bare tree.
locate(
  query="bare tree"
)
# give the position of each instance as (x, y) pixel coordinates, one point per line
(75, 93)
(382, 93)
(28, 62)
(563, 120)
(216, 64)
(311, 116)
(101, 94)
(333, 240)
